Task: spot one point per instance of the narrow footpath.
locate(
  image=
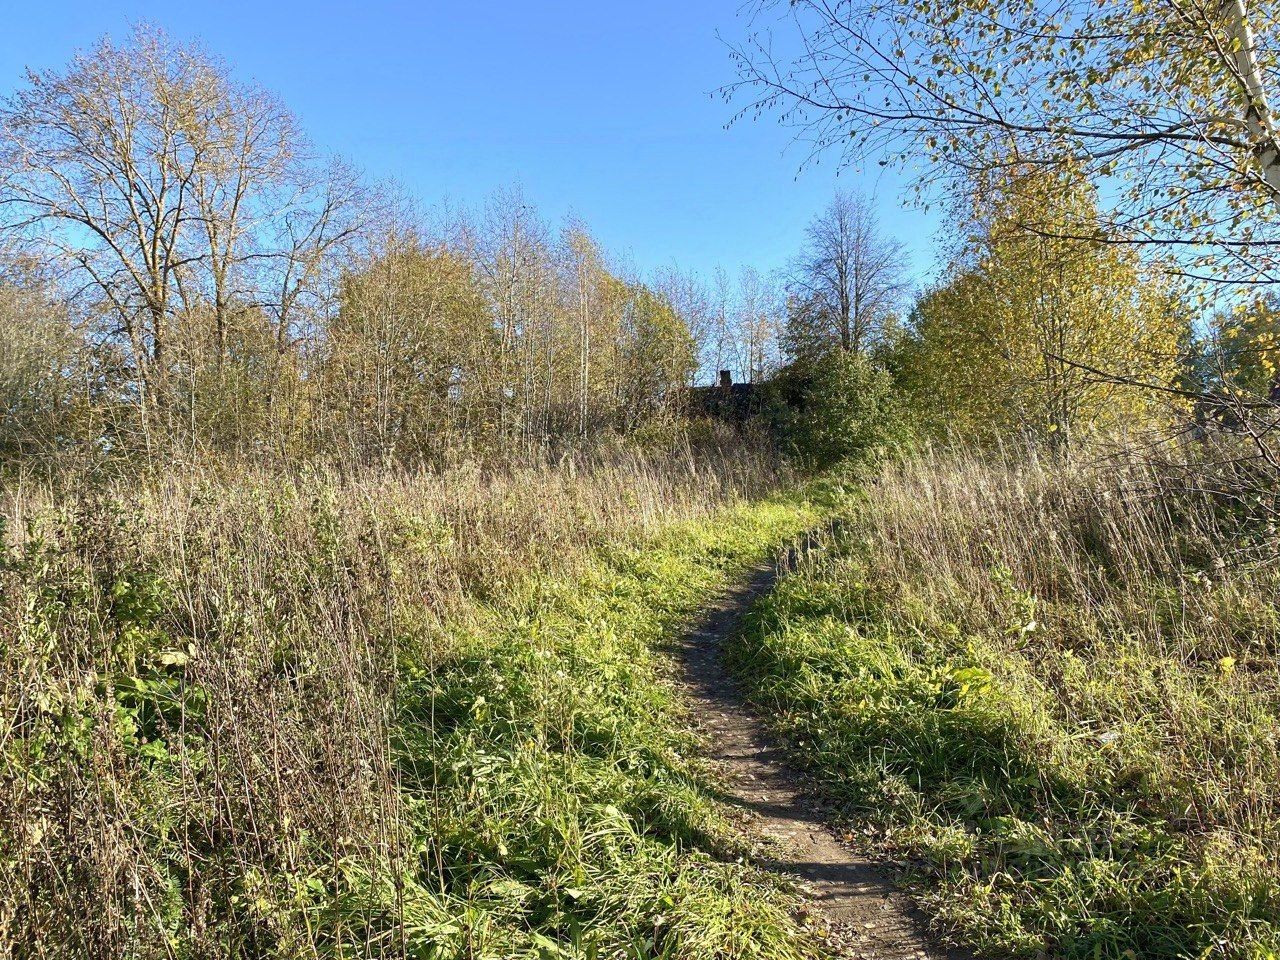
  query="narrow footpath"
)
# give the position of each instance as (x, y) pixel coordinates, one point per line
(863, 914)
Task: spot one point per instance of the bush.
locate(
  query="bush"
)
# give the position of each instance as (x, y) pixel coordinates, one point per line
(837, 409)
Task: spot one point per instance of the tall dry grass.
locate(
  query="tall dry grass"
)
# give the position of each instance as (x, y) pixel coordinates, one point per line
(1141, 608)
(199, 680)
(1053, 685)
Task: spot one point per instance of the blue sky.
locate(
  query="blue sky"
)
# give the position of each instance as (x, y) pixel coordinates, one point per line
(602, 110)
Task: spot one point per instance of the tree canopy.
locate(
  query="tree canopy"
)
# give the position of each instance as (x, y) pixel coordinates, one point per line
(1165, 102)
(1038, 335)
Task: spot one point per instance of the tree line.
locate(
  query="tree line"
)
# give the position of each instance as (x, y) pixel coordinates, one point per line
(1041, 329)
(1113, 171)
(183, 274)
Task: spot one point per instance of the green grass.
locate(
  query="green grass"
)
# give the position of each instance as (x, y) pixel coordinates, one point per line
(406, 716)
(562, 810)
(1055, 782)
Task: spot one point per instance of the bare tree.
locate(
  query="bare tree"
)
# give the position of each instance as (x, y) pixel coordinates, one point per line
(721, 340)
(518, 275)
(757, 325)
(849, 278)
(162, 187)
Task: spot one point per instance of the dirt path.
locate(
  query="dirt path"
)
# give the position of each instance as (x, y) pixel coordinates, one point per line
(866, 915)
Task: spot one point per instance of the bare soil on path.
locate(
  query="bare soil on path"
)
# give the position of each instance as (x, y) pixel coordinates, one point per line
(859, 911)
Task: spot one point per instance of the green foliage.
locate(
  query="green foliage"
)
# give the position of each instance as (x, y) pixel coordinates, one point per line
(585, 819)
(839, 408)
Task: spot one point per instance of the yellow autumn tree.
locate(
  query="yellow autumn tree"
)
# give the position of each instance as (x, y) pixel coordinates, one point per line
(1040, 328)
(406, 354)
(1241, 355)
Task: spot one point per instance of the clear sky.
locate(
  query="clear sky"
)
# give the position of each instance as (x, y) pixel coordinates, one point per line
(601, 109)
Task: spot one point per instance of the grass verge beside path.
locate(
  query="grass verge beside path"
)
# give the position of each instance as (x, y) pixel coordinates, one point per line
(1034, 687)
(382, 716)
(561, 807)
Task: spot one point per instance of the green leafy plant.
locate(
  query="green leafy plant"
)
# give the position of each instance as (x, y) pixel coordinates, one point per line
(838, 408)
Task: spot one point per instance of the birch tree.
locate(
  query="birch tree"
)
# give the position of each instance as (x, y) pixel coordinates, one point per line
(1010, 343)
(1166, 103)
(758, 322)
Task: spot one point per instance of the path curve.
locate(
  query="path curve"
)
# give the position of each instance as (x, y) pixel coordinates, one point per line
(866, 916)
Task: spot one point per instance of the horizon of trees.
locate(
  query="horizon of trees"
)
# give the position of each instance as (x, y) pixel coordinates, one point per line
(182, 274)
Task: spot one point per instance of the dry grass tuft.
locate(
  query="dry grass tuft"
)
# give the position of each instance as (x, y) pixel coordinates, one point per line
(203, 684)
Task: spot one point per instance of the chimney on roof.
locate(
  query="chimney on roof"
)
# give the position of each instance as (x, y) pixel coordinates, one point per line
(726, 378)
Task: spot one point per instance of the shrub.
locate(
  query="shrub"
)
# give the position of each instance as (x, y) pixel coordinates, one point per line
(837, 409)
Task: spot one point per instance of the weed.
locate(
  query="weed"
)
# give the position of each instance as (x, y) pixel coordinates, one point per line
(374, 716)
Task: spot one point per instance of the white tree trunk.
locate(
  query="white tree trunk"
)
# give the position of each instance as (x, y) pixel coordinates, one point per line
(1258, 118)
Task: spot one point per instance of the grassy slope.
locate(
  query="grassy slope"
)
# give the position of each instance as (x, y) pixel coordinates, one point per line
(1073, 777)
(407, 717)
(559, 795)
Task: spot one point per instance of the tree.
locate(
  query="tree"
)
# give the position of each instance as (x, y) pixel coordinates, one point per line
(1240, 354)
(838, 408)
(847, 281)
(1168, 101)
(758, 327)
(659, 354)
(690, 300)
(405, 354)
(164, 189)
(45, 381)
(209, 286)
(1015, 340)
(596, 301)
(518, 273)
